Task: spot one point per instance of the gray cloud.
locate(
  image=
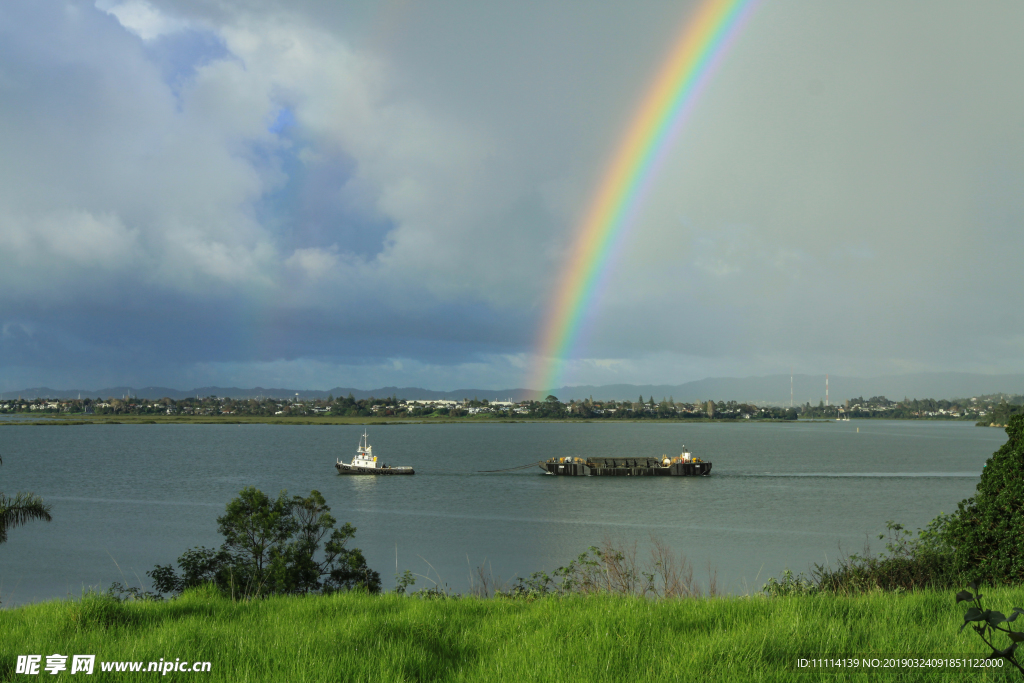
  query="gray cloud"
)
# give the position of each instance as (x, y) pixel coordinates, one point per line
(846, 195)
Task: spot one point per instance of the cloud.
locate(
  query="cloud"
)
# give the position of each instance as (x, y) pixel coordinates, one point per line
(314, 263)
(107, 171)
(74, 241)
(142, 19)
(846, 191)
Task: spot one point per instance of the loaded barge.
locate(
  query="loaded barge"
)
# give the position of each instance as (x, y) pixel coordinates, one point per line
(365, 462)
(684, 465)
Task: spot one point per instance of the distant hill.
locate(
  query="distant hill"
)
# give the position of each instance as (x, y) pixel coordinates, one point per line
(771, 389)
(235, 392)
(774, 389)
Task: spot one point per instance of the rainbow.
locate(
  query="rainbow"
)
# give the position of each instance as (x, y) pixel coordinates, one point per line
(704, 40)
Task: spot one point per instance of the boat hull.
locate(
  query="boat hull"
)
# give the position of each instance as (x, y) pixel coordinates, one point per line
(379, 471)
(626, 467)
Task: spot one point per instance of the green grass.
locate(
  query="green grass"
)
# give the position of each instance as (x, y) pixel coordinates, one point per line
(359, 637)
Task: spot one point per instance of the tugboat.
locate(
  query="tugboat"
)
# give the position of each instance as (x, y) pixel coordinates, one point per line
(365, 462)
(685, 465)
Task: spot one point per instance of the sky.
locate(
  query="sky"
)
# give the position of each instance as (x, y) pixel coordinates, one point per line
(364, 194)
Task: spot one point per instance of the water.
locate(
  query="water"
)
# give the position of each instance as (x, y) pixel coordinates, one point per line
(127, 497)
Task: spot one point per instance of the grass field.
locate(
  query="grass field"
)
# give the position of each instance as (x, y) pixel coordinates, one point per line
(358, 637)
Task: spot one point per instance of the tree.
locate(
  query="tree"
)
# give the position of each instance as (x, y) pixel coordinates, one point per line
(254, 526)
(341, 567)
(272, 546)
(19, 510)
(986, 529)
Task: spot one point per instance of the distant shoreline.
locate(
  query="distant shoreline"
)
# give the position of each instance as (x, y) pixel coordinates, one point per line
(79, 420)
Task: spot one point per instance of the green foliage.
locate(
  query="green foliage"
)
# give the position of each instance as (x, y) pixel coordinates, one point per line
(986, 623)
(19, 510)
(403, 581)
(988, 529)
(120, 593)
(255, 529)
(789, 585)
(199, 566)
(272, 546)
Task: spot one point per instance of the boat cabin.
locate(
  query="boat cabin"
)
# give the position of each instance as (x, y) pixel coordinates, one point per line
(364, 455)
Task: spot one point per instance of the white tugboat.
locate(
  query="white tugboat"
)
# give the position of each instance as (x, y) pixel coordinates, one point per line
(365, 462)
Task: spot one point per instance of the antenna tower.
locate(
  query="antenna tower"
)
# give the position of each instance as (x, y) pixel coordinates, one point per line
(826, 390)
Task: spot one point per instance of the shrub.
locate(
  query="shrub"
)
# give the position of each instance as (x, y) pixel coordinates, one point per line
(618, 570)
(987, 530)
(909, 563)
(790, 585)
(987, 623)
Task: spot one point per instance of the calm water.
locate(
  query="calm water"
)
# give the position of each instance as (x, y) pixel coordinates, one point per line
(127, 497)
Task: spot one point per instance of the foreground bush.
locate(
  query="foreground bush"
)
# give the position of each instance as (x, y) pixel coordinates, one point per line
(989, 623)
(988, 529)
(909, 563)
(617, 570)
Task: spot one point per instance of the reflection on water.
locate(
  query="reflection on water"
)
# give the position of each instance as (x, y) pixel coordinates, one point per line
(779, 496)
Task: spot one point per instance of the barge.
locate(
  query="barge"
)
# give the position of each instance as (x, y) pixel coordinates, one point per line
(365, 462)
(684, 465)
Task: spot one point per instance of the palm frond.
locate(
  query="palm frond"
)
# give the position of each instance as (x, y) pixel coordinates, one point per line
(23, 508)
